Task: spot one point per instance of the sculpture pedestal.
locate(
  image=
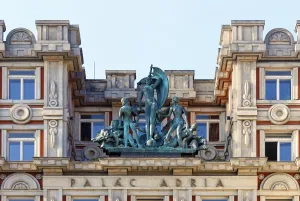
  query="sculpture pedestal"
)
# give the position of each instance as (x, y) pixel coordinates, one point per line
(149, 152)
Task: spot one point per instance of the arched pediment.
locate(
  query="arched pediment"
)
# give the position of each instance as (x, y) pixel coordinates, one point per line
(280, 37)
(20, 36)
(20, 181)
(279, 181)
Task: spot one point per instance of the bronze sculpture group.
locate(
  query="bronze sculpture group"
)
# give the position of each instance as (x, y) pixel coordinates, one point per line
(125, 132)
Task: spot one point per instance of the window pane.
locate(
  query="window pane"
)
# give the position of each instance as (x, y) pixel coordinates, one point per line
(213, 132)
(20, 135)
(285, 89)
(23, 72)
(271, 151)
(201, 129)
(97, 126)
(271, 90)
(93, 116)
(86, 131)
(14, 151)
(28, 151)
(29, 89)
(276, 73)
(14, 89)
(21, 200)
(285, 151)
(202, 117)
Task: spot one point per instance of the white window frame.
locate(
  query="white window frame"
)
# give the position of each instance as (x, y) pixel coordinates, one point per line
(278, 78)
(91, 121)
(280, 139)
(21, 140)
(22, 78)
(208, 121)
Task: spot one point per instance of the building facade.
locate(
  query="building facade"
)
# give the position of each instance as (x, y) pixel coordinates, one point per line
(248, 114)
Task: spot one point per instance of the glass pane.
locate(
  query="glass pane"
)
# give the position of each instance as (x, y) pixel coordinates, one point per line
(276, 73)
(21, 199)
(20, 135)
(202, 117)
(28, 151)
(271, 90)
(271, 151)
(22, 72)
(213, 132)
(97, 126)
(29, 89)
(86, 131)
(14, 89)
(285, 89)
(201, 129)
(93, 116)
(285, 151)
(14, 151)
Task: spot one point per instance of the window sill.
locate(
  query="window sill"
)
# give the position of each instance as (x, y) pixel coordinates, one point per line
(31, 102)
(286, 102)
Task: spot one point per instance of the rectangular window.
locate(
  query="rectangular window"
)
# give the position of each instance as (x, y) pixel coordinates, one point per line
(278, 85)
(90, 125)
(278, 148)
(21, 146)
(21, 84)
(208, 127)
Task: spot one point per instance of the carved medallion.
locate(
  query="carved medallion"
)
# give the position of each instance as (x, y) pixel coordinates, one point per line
(279, 114)
(20, 113)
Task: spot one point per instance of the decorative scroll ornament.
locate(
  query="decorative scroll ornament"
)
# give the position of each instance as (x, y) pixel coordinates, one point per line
(53, 98)
(247, 131)
(20, 186)
(246, 95)
(53, 124)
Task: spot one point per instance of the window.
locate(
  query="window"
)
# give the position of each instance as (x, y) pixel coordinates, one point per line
(21, 146)
(91, 124)
(278, 147)
(21, 84)
(208, 127)
(24, 199)
(214, 199)
(278, 85)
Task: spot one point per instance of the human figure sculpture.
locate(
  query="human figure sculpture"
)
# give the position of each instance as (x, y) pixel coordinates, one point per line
(125, 114)
(150, 104)
(178, 121)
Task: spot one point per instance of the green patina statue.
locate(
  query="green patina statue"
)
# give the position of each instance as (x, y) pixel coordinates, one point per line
(154, 89)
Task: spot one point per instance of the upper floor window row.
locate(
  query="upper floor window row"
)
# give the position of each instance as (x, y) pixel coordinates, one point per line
(21, 84)
(278, 85)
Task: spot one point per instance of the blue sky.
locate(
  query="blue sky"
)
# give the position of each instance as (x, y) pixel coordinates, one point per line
(132, 34)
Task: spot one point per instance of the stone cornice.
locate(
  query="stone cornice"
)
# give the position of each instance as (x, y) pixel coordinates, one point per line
(175, 166)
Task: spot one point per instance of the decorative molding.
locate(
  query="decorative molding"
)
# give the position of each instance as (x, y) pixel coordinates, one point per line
(20, 186)
(297, 176)
(53, 124)
(246, 95)
(38, 176)
(261, 176)
(247, 131)
(279, 181)
(2, 176)
(21, 37)
(208, 154)
(20, 181)
(279, 114)
(279, 37)
(53, 97)
(20, 113)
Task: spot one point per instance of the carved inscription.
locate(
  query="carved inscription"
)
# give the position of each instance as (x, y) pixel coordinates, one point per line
(163, 183)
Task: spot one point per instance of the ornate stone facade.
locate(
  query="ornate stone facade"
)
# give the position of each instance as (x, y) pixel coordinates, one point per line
(248, 114)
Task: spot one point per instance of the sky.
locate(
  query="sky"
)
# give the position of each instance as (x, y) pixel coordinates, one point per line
(133, 34)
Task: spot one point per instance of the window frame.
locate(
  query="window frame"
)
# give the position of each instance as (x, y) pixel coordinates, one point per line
(90, 121)
(208, 121)
(21, 140)
(22, 78)
(278, 78)
(285, 137)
